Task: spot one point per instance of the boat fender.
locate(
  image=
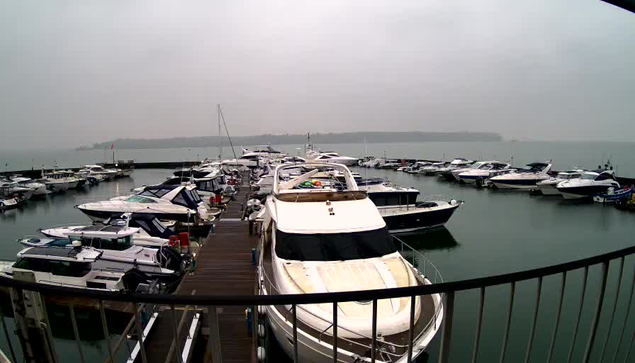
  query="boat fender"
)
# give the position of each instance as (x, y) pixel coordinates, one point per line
(261, 354)
(453, 202)
(184, 239)
(261, 330)
(262, 310)
(254, 257)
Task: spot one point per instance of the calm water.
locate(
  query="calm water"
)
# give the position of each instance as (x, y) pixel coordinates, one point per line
(494, 232)
(565, 155)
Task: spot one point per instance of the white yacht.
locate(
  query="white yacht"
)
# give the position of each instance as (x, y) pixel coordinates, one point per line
(589, 184)
(10, 188)
(39, 189)
(549, 186)
(91, 170)
(166, 202)
(146, 230)
(432, 169)
(523, 179)
(58, 182)
(486, 171)
(458, 163)
(70, 267)
(479, 164)
(330, 157)
(418, 166)
(320, 239)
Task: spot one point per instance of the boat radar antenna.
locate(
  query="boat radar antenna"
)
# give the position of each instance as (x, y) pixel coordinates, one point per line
(222, 116)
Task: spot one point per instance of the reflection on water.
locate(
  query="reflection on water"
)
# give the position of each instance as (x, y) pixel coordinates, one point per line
(435, 239)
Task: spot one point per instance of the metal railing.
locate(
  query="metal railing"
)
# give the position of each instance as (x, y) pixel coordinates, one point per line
(618, 332)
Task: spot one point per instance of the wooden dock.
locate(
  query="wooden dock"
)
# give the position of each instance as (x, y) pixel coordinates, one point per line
(224, 267)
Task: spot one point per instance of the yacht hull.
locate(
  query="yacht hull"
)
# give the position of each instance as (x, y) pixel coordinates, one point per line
(97, 215)
(548, 189)
(402, 219)
(314, 350)
(526, 184)
(583, 191)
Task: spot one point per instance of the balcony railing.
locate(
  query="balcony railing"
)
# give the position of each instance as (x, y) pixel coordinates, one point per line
(615, 344)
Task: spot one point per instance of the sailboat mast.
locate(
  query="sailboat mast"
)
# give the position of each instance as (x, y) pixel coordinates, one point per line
(220, 138)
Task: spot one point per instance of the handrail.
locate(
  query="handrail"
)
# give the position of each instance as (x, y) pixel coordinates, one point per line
(248, 300)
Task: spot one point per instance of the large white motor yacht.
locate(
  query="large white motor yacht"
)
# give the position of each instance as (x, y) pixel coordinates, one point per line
(313, 156)
(91, 170)
(147, 230)
(549, 186)
(321, 239)
(479, 164)
(457, 163)
(170, 202)
(589, 184)
(485, 172)
(523, 179)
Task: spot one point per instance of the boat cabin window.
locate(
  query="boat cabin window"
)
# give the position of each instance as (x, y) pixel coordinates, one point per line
(117, 244)
(139, 199)
(157, 193)
(334, 246)
(59, 268)
(604, 176)
(588, 176)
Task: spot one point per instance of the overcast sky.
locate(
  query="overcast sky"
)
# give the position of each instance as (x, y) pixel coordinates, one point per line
(77, 72)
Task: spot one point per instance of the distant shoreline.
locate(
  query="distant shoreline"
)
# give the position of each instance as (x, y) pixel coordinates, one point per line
(330, 138)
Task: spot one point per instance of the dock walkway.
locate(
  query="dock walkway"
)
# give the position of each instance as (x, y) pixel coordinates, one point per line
(224, 267)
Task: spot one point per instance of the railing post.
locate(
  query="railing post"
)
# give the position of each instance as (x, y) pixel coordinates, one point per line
(175, 334)
(104, 326)
(446, 338)
(479, 325)
(71, 307)
(533, 324)
(552, 345)
(373, 347)
(137, 319)
(335, 313)
(628, 312)
(617, 295)
(577, 322)
(598, 312)
(413, 303)
(509, 320)
(214, 335)
(294, 308)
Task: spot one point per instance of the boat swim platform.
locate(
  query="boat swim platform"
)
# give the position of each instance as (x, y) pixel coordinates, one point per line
(223, 267)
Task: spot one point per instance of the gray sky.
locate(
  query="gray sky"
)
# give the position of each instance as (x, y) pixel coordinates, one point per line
(77, 72)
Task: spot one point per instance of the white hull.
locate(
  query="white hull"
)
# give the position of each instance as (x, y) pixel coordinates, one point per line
(571, 196)
(501, 185)
(313, 350)
(549, 189)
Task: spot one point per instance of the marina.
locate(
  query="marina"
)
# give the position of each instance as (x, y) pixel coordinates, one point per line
(226, 264)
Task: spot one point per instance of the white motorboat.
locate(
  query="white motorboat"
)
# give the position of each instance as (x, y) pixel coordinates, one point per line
(118, 252)
(10, 188)
(458, 163)
(9, 203)
(589, 184)
(549, 186)
(69, 267)
(166, 202)
(93, 170)
(39, 189)
(319, 239)
(147, 230)
(523, 179)
(484, 172)
(418, 166)
(432, 169)
(330, 157)
(477, 165)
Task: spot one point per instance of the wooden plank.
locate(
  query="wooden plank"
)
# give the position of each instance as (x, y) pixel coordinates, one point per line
(224, 267)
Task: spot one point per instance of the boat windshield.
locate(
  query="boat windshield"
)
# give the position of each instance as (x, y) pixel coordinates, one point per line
(334, 246)
(139, 199)
(588, 176)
